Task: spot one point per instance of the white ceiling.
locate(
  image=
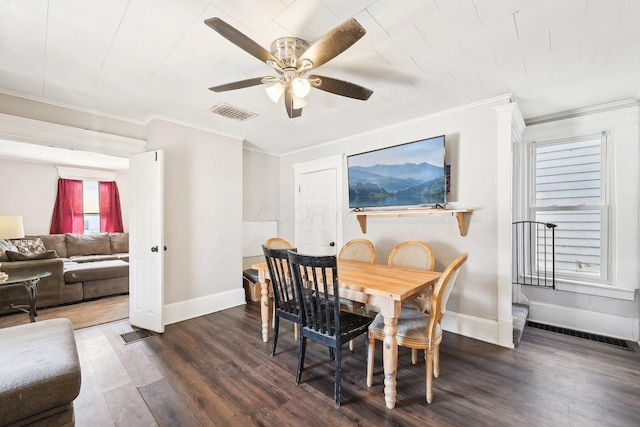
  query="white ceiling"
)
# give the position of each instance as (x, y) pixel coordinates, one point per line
(139, 59)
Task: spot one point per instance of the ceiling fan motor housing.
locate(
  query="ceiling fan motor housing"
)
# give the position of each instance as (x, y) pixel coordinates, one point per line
(288, 50)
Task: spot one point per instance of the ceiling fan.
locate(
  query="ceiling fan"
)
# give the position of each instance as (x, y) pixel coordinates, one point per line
(292, 59)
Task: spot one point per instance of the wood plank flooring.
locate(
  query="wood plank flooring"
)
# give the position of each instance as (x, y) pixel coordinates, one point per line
(82, 314)
(216, 371)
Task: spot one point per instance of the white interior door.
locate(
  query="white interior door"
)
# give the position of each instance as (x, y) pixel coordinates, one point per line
(146, 241)
(318, 206)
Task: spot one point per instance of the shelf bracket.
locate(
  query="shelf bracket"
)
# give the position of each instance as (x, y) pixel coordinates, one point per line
(362, 220)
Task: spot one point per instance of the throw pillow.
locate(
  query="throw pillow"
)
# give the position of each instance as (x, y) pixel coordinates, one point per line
(6, 245)
(18, 256)
(29, 246)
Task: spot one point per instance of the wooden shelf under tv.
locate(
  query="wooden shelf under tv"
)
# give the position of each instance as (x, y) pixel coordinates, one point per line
(460, 215)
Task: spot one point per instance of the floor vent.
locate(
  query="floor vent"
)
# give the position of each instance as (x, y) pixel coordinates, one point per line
(133, 336)
(616, 342)
(231, 112)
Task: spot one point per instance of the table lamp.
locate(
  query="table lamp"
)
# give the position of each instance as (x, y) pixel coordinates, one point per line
(10, 228)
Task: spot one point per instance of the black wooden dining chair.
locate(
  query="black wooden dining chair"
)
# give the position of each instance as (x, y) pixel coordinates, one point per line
(286, 304)
(316, 280)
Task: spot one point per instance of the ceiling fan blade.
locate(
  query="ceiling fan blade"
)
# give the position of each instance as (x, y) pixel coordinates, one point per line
(333, 43)
(341, 87)
(288, 102)
(238, 85)
(240, 40)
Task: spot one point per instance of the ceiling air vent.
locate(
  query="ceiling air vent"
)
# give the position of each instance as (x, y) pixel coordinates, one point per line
(231, 112)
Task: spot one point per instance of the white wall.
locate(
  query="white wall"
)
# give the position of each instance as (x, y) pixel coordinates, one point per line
(203, 219)
(30, 190)
(261, 191)
(472, 151)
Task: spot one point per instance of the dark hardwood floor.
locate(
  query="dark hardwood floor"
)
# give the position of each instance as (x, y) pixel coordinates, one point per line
(216, 371)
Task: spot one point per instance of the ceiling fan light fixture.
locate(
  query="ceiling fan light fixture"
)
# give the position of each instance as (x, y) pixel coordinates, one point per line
(275, 91)
(300, 86)
(298, 102)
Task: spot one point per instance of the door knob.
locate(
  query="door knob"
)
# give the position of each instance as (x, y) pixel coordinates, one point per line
(332, 244)
(154, 249)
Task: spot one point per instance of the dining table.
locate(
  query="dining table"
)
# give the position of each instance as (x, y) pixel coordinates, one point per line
(383, 286)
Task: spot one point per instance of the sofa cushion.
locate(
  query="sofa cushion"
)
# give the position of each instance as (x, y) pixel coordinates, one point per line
(31, 246)
(90, 244)
(17, 256)
(88, 271)
(119, 242)
(55, 242)
(6, 245)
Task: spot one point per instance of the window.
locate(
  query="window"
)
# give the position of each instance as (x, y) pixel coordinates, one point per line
(568, 189)
(86, 207)
(91, 207)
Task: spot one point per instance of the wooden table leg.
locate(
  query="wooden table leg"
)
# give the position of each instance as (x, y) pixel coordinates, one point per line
(264, 305)
(390, 353)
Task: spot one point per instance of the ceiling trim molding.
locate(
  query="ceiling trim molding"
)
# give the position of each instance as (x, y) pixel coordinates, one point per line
(603, 108)
(20, 129)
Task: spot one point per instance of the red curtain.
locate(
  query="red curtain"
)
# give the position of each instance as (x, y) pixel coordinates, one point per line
(110, 212)
(67, 212)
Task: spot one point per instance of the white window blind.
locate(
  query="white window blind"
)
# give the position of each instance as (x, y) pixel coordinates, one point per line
(91, 206)
(568, 184)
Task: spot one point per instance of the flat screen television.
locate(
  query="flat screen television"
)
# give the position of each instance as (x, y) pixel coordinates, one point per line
(411, 174)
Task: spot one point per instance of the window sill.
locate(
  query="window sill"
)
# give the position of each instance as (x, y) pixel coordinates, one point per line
(596, 289)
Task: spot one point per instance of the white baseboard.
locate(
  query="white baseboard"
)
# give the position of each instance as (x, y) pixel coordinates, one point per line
(184, 310)
(474, 327)
(608, 325)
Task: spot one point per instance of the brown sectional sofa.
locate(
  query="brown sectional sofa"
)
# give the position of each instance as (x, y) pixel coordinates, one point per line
(82, 267)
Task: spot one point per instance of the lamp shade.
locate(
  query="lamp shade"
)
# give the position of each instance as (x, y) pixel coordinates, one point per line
(275, 91)
(11, 227)
(301, 87)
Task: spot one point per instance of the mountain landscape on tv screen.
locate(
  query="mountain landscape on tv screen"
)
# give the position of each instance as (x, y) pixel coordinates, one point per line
(396, 185)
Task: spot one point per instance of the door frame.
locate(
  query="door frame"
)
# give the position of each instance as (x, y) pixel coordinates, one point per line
(326, 163)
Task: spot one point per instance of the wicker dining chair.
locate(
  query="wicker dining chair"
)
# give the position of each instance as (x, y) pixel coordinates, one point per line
(418, 330)
(358, 250)
(278, 243)
(418, 255)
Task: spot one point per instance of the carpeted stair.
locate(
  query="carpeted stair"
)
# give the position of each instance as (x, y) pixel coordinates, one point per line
(520, 312)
